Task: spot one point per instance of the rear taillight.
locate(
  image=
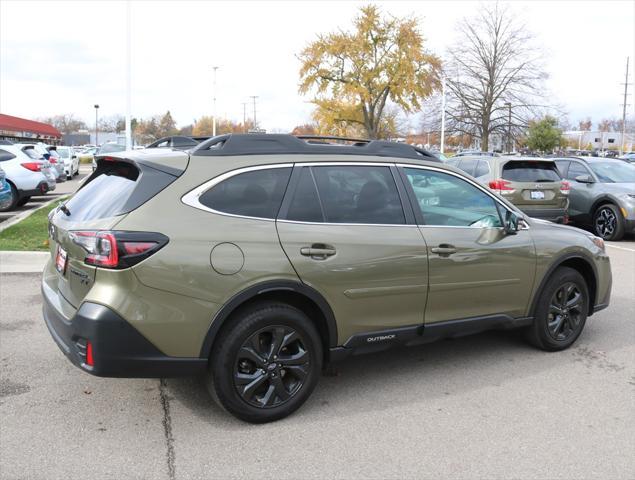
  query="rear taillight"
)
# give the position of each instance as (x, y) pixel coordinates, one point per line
(565, 187)
(33, 166)
(117, 249)
(52, 161)
(89, 354)
(501, 186)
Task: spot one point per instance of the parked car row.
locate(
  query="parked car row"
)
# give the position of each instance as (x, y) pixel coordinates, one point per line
(590, 192)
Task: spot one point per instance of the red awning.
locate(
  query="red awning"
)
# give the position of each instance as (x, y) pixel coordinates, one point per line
(18, 125)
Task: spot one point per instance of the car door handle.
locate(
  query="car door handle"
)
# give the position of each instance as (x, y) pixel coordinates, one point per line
(444, 249)
(318, 251)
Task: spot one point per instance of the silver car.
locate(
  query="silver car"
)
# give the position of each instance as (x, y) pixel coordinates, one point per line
(27, 176)
(69, 160)
(602, 194)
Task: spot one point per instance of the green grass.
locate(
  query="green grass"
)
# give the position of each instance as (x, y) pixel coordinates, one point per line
(29, 234)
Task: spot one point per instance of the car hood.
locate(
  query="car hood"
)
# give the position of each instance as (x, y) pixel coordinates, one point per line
(557, 227)
(618, 188)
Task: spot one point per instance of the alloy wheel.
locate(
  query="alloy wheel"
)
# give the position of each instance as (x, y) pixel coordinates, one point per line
(565, 311)
(605, 222)
(271, 366)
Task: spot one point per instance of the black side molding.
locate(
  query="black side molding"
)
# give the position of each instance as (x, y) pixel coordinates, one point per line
(419, 334)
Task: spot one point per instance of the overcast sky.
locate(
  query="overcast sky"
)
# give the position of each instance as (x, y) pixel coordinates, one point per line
(63, 57)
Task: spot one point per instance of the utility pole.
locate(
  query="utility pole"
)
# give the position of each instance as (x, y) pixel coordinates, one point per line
(244, 117)
(128, 79)
(624, 110)
(442, 114)
(509, 127)
(96, 128)
(214, 115)
(254, 97)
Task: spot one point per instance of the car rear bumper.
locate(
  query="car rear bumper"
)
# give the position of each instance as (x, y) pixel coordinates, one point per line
(556, 215)
(41, 189)
(119, 350)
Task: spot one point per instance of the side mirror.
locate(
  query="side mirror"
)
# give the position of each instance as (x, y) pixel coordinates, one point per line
(511, 223)
(584, 179)
(74, 156)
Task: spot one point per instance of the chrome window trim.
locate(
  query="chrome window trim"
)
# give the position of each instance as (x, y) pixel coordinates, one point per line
(468, 180)
(192, 197)
(350, 224)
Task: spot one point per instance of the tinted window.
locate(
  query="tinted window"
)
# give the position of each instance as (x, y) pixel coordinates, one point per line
(183, 142)
(468, 165)
(576, 169)
(531, 171)
(32, 154)
(482, 168)
(363, 194)
(253, 194)
(4, 156)
(562, 166)
(446, 200)
(305, 204)
(110, 148)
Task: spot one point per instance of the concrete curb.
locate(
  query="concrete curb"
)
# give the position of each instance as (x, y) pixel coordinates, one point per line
(23, 262)
(27, 213)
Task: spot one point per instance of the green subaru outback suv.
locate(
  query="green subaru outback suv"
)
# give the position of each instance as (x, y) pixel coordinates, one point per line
(255, 260)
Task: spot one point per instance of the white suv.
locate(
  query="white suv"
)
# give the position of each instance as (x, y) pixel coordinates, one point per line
(71, 161)
(27, 176)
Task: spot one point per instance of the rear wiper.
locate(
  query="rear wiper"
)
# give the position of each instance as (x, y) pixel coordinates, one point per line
(65, 209)
(544, 180)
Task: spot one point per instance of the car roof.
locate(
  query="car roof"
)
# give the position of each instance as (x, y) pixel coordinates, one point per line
(281, 144)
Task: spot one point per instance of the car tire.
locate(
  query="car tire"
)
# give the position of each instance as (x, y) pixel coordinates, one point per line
(14, 199)
(23, 201)
(608, 222)
(561, 311)
(266, 363)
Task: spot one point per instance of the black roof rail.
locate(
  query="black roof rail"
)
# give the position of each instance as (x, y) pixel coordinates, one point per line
(270, 144)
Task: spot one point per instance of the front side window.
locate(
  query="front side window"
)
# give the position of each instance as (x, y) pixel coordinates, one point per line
(482, 168)
(446, 200)
(614, 172)
(468, 165)
(257, 193)
(358, 194)
(576, 170)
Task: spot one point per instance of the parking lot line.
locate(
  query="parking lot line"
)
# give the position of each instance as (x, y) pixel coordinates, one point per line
(620, 248)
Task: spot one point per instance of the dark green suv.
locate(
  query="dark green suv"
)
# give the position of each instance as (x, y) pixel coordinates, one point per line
(255, 260)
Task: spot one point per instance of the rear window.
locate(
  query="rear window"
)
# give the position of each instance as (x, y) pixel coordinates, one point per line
(116, 188)
(110, 148)
(33, 154)
(531, 171)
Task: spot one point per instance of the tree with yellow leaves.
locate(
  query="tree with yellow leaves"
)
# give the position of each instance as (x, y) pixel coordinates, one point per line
(356, 75)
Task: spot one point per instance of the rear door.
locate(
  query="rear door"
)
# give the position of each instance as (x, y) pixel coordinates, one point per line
(536, 184)
(346, 233)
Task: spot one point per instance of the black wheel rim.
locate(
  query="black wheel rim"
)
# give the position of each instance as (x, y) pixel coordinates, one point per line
(271, 366)
(605, 222)
(565, 312)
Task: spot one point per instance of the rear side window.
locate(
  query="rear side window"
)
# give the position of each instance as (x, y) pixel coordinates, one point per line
(4, 156)
(358, 194)
(116, 188)
(482, 168)
(468, 165)
(251, 194)
(305, 204)
(531, 171)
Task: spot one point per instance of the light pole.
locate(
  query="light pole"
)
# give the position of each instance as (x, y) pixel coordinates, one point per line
(214, 116)
(244, 117)
(509, 127)
(96, 128)
(254, 97)
(442, 114)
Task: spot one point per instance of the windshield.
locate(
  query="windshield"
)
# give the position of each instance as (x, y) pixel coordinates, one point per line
(111, 147)
(613, 172)
(531, 171)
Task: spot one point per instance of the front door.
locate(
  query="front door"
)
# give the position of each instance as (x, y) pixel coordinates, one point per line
(345, 232)
(475, 268)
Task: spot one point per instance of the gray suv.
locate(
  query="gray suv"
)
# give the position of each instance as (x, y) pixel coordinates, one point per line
(602, 194)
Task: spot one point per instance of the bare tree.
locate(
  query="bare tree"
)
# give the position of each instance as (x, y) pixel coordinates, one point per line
(493, 66)
(65, 123)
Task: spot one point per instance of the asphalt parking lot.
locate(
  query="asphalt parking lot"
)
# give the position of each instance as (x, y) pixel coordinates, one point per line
(487, 406)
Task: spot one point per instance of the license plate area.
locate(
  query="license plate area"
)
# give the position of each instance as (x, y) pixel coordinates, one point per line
(60, 260)
(537, 195)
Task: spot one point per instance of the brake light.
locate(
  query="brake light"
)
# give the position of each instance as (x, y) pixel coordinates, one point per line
(33, 166)
(52, 160)
(117, 249)
(501, 186)
(89, 355)
(565, 188)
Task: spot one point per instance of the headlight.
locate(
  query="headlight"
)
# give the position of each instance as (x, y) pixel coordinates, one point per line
(598, 243)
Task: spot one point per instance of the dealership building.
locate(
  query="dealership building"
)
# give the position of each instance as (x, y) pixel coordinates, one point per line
(21, 130)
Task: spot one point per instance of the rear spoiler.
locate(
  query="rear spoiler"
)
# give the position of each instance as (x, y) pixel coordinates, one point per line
(172, 162)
